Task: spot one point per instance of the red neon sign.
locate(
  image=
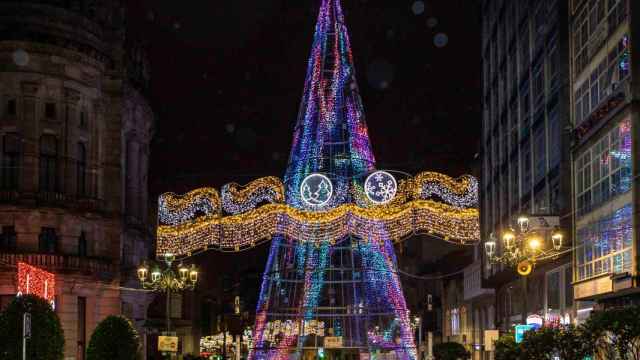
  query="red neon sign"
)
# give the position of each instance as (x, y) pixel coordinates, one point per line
(33, 280)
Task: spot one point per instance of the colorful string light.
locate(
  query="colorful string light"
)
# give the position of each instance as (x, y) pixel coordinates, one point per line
(237, 199)
(237, 232)
(176, 209)
(309, 235)
(33, 280)
(462, 192)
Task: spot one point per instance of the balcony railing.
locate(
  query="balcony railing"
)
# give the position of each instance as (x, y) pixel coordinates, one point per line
(104, 268)
(56, 199)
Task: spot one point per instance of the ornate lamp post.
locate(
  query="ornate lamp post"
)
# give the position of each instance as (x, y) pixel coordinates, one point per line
(168, 280)
(523, 248)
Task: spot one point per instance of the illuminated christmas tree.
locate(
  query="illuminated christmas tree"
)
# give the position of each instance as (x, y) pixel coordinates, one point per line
(330, 281)
(349, 285)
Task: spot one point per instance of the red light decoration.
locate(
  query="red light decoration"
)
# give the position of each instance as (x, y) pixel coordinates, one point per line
(33, 280)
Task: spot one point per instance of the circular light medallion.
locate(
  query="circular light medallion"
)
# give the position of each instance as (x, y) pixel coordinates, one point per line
(524, 268)
(316, 190)
(380, 187)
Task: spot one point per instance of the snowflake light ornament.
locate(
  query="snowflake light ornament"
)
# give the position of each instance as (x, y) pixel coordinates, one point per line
(380, 187)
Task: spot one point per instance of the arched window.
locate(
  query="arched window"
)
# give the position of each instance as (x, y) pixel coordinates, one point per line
(81, 169)
(48, 240)
(82, 244)
(10, 161)
(48, 163)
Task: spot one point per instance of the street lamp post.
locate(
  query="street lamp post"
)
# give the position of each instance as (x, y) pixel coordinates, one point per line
(419, 325)
(168, 280)
(523, 248)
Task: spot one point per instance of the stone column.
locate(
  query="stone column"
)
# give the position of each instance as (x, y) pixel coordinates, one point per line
(30, 135)
(69, 142)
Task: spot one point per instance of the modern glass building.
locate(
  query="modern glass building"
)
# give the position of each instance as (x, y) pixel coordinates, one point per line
(604, 121)
(525, 146)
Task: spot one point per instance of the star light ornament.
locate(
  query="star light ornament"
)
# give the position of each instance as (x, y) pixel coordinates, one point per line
(380, 187)
(316, 190)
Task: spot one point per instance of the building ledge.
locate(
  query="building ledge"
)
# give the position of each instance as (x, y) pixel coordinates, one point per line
(105, 269)
(605, 286)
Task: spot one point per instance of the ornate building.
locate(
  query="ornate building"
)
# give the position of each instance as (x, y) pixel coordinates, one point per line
(75, 128)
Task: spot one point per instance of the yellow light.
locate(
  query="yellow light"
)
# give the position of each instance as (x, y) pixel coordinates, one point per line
(238, 232)
(535, 244)
(508, 238)
(405, 215)
(193, 274)
(556, 238)
(183, 270)
(142, 273)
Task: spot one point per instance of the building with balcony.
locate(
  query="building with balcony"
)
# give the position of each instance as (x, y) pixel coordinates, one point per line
(75, 127)
(480, 302)
(605, 120)
(525, 142)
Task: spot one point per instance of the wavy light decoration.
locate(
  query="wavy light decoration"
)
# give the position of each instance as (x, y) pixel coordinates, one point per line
(462, 192)
(238, 199)
(238, 232)
(176, 209)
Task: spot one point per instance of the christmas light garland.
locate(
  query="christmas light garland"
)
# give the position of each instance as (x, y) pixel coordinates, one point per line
(237, 199)
(462, 192)
(237, 232)
(176, 209)
(33, 280)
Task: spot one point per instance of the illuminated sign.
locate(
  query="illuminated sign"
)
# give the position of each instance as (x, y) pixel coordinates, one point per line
(33, 280)
(168, 343)
(535, 321)
(520, 330)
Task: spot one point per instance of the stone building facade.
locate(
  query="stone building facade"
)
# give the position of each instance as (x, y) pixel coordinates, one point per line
(75, 127)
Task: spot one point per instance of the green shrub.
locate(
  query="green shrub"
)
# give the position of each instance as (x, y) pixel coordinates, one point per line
(114, 339)
(450, 351)
(615, 332)
(506, 348)
(47, 338)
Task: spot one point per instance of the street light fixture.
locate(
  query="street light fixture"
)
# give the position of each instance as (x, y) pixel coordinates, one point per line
(167, 280)
(524, 247)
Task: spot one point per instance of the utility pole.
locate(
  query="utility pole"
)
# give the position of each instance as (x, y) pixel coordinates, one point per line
(26, 333)
(429, 333)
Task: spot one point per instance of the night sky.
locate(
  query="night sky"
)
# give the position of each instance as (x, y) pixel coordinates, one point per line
(227, 78)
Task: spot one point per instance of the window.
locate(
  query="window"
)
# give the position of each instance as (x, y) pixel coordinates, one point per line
(538, 85)
(604, 246)
(48, 240)
(604, 170)
(540, 153)
(83, 119)
(553, 291)
(10, 161)
(11, 107)
(603, 80)
(81, 170)
(555, 138)
(50, 111)
(568, 286)
(8, 238)
(455, 322)
(48, 163)
(526, 167)
(82, 244)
